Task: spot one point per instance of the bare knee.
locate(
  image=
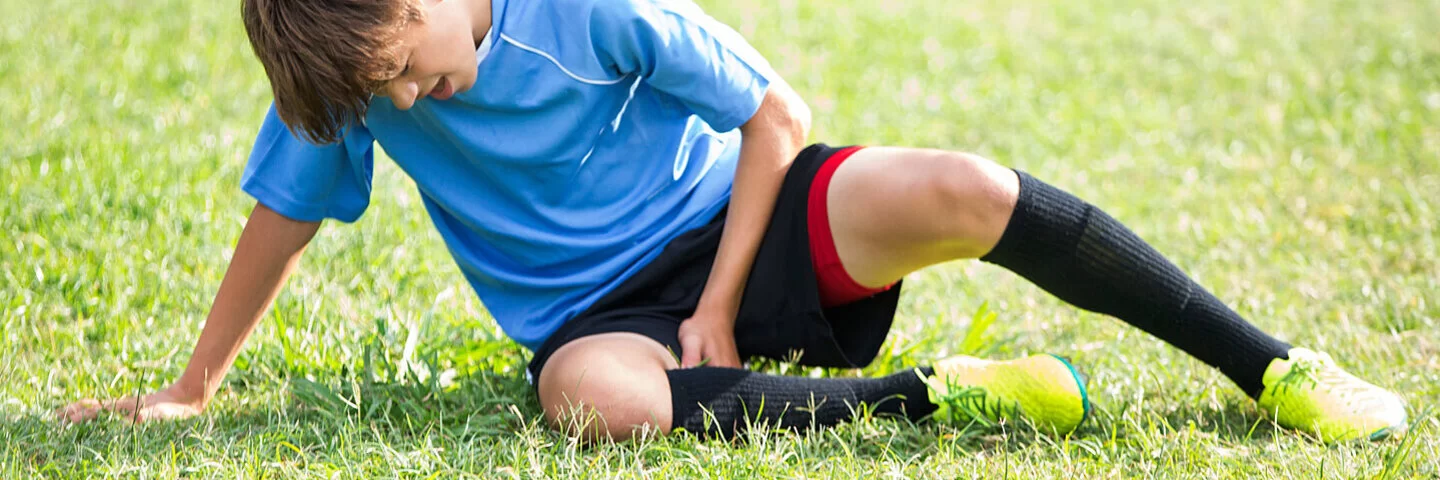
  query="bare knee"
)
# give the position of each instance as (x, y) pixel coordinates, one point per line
(894, 210)
(610, 386)
(974, 198)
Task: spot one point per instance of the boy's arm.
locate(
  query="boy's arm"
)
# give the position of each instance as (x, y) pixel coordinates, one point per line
(770, 141)
(268, 250)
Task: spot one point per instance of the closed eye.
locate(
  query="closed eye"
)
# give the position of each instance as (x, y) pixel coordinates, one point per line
(380, 90)
(409, 58)
(403, 71)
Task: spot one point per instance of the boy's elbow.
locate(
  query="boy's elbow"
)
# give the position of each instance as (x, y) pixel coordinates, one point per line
(784, 112)
(800, 119)
(796, 113)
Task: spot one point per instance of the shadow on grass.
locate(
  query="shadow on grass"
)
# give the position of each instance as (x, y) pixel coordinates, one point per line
(1234, 421)
(280, 425)
(486, 401)
(339, 416)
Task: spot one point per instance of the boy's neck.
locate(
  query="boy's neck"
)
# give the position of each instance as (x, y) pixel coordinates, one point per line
(480, 19)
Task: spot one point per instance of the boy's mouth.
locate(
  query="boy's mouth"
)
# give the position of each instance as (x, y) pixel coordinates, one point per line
(443, 90)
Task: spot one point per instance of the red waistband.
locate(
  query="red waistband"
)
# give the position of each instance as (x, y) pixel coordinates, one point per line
(836, 285)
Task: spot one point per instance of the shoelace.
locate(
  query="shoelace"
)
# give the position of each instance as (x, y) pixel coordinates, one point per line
(1303, 374)
(977, 403)
(1312, 374)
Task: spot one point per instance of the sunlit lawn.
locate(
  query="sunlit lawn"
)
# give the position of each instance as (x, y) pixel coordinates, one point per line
(1285, 153)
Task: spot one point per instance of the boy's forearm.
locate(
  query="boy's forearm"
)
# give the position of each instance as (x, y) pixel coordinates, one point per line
(771, 139)
(268, 250)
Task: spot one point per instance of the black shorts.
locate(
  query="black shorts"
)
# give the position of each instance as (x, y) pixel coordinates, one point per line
(780, 313)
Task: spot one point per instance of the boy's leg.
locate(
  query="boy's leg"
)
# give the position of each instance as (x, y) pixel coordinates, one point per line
(608, 384)
(602, 383)
(895, 210)
(890, 220)
(612, 385)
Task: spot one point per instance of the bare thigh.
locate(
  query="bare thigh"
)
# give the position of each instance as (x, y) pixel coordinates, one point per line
(608, 386)
(896, 210)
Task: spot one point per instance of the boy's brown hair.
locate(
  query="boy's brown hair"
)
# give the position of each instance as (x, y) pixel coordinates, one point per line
(326, 57)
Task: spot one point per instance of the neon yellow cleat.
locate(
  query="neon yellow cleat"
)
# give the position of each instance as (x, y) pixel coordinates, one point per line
(1044, 389)
(1308, 392)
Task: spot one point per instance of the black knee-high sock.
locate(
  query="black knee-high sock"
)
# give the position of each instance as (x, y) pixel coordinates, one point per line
(721, 401)
(1076, 252)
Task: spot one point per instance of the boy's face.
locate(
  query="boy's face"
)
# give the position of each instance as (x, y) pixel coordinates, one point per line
(438, 53)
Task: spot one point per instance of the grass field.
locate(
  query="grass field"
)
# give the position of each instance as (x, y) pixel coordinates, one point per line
(1286, 153)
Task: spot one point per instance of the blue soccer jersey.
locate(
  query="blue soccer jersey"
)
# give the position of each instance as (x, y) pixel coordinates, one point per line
(598, 130)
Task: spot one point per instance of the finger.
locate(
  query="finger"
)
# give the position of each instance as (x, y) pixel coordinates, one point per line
(131, 409)
(137, 415)
(727, 359)
(125, 404)
(127, 408)
(63, 413)
(80, 411)
(689, 352)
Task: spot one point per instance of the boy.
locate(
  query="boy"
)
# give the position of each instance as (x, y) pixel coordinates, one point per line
(623, 182)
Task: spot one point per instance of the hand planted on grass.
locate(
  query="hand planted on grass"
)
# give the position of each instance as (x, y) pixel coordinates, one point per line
(708, 340)
(167, 404)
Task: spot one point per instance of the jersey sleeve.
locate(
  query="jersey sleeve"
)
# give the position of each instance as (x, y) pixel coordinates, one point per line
(680, 50)
(308, 182)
